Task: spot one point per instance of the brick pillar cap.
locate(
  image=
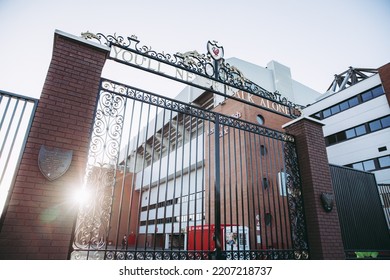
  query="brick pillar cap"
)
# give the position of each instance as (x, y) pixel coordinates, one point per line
(82, 40)
(302, 118)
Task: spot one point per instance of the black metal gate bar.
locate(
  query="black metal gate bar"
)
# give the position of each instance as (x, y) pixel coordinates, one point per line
(16, 119)
(384, 193)
(125, 172)
(159, 175)
(176, 193)
(209, 191)
(283, 191)
(217, 191)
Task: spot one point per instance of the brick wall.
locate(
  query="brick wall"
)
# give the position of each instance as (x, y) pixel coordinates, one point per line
(323, 228)
(384, 73)
(38, 221)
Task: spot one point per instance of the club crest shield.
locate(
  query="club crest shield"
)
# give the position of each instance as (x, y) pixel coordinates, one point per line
(214, 50)
(327, 200)
(54, 162)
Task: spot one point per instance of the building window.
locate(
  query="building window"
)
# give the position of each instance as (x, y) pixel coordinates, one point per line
(335, 109)
(385, 122)
(366, 96)
(384, 162)
(353, 102)
(326, 113)
(349, 103)
(268, 219)
(317, 116)
(263, 150)
(372, 164)
(265, 183)
(375, 125)
(341, 136)
(359, 130)
(344, 105)
(260, 119)
(350, 133)
(330, 140)
(369, 165)
(358, 166)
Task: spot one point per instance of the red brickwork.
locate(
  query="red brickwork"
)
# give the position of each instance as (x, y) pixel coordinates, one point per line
(324, 234)
(384, 73)
(40, 215)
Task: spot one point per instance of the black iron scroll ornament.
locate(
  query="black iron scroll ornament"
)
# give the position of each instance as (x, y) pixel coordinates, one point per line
(211, 66)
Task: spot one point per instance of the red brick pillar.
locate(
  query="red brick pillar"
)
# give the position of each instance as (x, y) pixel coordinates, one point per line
(384, 74)
(38, 220)
(323, 228)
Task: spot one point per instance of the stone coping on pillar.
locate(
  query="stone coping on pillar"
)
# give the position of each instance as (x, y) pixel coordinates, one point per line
(303, 118)
(82, 40)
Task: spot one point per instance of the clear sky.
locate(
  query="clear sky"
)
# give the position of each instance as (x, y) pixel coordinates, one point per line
(316, 39)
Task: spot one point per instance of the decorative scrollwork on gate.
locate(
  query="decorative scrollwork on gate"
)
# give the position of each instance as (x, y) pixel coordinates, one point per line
(93, 221)
(250, 127)
(295, 202)
(199, 64)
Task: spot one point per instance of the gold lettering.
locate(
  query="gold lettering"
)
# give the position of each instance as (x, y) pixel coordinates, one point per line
(262, 103)
(282, 109)
(250, 97)
(274, 106)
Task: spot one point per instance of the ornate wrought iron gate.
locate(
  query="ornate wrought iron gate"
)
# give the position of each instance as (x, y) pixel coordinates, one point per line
(172, 180)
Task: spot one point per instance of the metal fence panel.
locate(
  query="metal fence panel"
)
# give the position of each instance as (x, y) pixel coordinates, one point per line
(362, 219)
(16, 114)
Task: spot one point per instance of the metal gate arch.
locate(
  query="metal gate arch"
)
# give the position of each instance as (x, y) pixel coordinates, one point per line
(171, 180)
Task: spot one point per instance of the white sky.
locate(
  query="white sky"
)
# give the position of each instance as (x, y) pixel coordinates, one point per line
(316, 39)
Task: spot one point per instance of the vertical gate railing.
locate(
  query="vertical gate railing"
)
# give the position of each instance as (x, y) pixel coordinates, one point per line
(384, 194)
(16, 114)
(170, 180)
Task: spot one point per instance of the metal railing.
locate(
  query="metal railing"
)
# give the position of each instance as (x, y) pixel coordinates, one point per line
(362, 221)
(189, 183)
(16, 114)
(384, 194)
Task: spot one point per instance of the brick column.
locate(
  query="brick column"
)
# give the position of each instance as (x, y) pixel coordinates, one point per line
(323, 228)
(384, 74)
(38, 220)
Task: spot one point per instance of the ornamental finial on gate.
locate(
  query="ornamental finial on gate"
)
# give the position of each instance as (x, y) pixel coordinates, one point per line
(215, 51)
(89, 35)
